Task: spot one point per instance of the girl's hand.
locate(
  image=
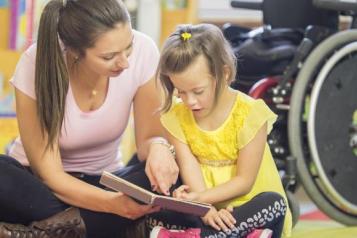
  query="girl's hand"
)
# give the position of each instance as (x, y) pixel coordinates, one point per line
(126, 207)
(229, 208)
(221, 219)
(182, 192)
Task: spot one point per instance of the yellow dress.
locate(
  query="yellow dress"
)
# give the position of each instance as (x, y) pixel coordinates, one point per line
(217, 151)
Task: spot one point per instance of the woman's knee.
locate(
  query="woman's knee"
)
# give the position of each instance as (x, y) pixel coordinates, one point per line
(5, 159)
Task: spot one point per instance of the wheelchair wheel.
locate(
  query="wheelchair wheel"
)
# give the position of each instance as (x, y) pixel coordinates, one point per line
(294, 206)
(323, 104)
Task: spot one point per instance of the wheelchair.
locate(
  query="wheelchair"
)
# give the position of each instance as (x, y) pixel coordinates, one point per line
(304, 68)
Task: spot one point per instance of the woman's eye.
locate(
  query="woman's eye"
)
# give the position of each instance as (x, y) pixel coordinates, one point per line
(128, 51)
(108, 57)
(198, 92)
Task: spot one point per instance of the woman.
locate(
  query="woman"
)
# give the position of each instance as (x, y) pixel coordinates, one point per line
(74, 91)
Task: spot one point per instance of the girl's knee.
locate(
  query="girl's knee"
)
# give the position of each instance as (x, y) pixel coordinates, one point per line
(277, 203)
(274, 196)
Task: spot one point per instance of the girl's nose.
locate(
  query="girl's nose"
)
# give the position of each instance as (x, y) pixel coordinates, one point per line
(191, 100)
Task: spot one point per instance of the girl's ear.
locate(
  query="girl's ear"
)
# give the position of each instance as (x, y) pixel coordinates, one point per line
(175, 93)
(227, 74)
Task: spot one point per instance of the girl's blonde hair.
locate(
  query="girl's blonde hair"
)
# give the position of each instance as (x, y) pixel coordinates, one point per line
(184, 46)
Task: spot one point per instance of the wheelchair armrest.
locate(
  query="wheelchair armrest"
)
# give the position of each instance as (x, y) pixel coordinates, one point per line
(233, 30)
(253, 5)
(293, 35)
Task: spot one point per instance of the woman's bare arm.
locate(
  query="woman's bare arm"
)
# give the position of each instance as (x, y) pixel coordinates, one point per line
(161, 167)
(47, 166)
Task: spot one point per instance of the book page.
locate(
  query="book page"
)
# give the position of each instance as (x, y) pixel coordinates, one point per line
(118, 184)
(179, 205)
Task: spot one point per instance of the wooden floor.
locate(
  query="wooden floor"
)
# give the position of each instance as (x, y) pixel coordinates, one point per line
(323, 229)
(313, 223)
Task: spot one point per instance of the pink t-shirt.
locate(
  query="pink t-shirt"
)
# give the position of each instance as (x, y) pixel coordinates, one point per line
(89, 142)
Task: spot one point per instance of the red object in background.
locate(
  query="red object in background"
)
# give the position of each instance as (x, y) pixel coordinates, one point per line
(259, 89)
(315, 215)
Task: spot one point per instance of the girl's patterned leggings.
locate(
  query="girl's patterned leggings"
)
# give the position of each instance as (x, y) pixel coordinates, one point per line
(266, 210)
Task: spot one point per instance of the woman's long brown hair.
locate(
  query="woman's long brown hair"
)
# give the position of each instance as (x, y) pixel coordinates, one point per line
(77, 24)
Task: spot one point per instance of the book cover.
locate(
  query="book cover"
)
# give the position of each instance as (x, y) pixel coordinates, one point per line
(121, 185)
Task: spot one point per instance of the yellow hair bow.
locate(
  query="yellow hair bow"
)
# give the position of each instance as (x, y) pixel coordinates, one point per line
(186, 36)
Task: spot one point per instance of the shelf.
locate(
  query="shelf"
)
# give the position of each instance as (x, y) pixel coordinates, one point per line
(171, 18)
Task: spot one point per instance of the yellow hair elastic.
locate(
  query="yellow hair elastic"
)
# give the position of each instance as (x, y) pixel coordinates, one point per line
(186, 36)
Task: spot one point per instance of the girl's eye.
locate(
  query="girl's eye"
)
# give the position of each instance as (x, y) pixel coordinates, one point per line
(198, 92)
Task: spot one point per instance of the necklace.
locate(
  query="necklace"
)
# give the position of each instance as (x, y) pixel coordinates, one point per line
(93, 91)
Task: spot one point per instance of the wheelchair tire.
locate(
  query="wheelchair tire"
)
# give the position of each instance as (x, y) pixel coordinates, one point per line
(315, 181)
(294, 207)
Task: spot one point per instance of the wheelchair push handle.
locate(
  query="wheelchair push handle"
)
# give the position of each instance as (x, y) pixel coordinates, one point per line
(337, 5)
(252, 5)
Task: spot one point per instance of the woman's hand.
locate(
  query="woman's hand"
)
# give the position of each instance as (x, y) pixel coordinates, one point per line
(126, 207)
(221, 219)
(182, 192)
(161, 168)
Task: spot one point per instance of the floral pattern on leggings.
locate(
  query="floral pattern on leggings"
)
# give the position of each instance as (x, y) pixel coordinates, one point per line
(266, 217)
(258, 220)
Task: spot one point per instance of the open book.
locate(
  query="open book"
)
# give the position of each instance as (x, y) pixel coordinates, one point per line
(118, 184)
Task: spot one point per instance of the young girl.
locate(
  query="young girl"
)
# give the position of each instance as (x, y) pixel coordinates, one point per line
(220, 137)
(74, 91)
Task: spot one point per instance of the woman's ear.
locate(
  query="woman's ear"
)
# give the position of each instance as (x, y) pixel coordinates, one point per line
(74, 54)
